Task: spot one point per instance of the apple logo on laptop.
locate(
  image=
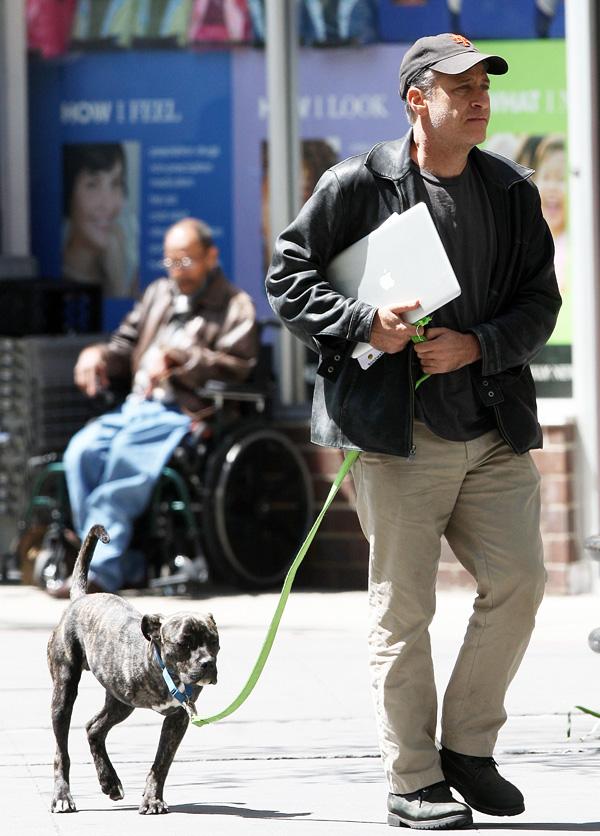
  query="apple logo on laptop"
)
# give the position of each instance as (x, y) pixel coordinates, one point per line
(387, 281)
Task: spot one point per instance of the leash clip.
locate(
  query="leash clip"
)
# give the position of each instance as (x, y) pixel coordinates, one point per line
(420, 329)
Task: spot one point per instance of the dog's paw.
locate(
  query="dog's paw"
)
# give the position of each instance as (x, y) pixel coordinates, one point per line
(114, 791)
(63, 803)
(152, 807)
(108, 778)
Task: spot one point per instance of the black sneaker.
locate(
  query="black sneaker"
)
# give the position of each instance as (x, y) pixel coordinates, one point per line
(480, 784)
(431, 808)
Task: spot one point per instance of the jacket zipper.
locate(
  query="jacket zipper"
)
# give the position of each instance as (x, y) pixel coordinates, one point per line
(413, 449)
(411, 388)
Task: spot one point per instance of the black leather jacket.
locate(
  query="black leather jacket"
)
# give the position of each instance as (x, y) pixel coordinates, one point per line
(373, 409)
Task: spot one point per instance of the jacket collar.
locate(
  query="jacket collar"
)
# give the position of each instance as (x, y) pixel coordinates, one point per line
(212, 296)
(392, 160)
(501, 170)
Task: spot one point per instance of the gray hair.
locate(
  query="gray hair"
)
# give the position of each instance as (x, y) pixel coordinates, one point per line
(425, 81)
(202, 230)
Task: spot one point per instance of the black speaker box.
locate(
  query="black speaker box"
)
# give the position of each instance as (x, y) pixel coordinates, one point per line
(49, 306)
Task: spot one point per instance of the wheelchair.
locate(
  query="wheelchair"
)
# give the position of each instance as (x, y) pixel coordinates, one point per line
(233, 504)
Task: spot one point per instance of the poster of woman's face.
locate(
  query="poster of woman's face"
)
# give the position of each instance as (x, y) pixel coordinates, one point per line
(317, 156)
(100, 231)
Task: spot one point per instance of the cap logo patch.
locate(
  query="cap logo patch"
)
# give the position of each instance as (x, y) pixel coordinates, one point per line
(461, 40)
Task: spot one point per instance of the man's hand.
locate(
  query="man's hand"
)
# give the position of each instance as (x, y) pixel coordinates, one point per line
(162, 366)
(90, 371)
(389, 332)
(447, 351)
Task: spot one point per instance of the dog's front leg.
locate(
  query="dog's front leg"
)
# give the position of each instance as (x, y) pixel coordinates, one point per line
(171, 736)
(114, 712)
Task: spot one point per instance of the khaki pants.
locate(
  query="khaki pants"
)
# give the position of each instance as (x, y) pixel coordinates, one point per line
(486, 500)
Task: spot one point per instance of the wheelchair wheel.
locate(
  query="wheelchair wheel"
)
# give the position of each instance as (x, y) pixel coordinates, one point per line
(55, 560)
(258, 508)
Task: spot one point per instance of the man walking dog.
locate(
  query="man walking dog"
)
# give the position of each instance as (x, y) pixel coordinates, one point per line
(451, 458)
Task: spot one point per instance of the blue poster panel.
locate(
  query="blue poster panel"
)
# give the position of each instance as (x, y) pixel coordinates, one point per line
(122, 145)
(406, 20)
(516, 19)
(325, 22)
(338, 22)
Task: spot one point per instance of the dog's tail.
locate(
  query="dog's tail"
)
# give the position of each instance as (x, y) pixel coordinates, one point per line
(79, 578)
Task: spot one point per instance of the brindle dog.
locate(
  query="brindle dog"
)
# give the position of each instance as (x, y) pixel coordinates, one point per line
(106, 635)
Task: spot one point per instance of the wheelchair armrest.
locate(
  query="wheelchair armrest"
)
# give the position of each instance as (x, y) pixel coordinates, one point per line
(257, 390)
(218, 391)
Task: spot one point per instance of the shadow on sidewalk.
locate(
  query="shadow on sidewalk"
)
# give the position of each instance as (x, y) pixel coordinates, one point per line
(232, 810)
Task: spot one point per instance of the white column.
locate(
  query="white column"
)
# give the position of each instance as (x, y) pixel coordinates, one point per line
(284, 162)
(14, 158)
(584, 253)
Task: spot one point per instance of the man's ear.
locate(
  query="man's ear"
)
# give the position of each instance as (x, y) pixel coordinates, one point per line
(212, 257)
(151, 625)
(416, 100)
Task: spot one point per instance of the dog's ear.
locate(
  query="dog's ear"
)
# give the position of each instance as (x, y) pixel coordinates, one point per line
(210, 620)
(151, 625)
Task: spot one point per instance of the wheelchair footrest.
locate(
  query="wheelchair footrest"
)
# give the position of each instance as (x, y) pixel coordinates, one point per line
(192, 572)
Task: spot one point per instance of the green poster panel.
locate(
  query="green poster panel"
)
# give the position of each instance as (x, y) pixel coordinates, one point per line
(529, 125)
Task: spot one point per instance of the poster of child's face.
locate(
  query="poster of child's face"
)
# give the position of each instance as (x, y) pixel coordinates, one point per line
(100, 228)
(550, 164)
(547, 156)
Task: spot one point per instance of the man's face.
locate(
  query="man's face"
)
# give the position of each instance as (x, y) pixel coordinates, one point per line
(458, 108)
(187, 259)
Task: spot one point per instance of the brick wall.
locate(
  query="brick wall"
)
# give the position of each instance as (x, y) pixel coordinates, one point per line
(556, 465)
(339, 555)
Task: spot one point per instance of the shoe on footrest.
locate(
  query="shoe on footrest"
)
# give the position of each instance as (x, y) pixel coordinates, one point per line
(480, 784)
(430, 808)
(61, 590)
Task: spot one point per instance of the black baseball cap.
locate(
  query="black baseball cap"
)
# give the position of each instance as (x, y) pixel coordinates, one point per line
(447, 53)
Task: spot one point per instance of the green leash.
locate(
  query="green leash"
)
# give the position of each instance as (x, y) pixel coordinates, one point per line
(349, 458)
(421, 338)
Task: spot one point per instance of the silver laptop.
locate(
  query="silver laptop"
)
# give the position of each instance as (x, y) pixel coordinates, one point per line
(402, 260)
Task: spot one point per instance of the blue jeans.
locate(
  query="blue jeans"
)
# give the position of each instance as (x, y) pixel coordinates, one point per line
(111, 467)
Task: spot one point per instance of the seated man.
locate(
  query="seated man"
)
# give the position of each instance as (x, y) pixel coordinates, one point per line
(188, 328)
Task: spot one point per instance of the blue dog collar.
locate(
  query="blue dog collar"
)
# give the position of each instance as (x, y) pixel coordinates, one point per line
(174, 691)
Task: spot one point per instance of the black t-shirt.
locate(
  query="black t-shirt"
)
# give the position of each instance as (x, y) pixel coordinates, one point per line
(448, 403)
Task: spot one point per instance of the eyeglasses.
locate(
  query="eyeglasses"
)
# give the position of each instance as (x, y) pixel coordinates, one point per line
(178, 263)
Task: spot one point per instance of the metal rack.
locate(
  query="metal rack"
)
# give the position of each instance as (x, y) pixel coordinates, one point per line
(40, 409)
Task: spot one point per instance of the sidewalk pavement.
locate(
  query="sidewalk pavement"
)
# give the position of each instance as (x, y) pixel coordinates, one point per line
(300, 756)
